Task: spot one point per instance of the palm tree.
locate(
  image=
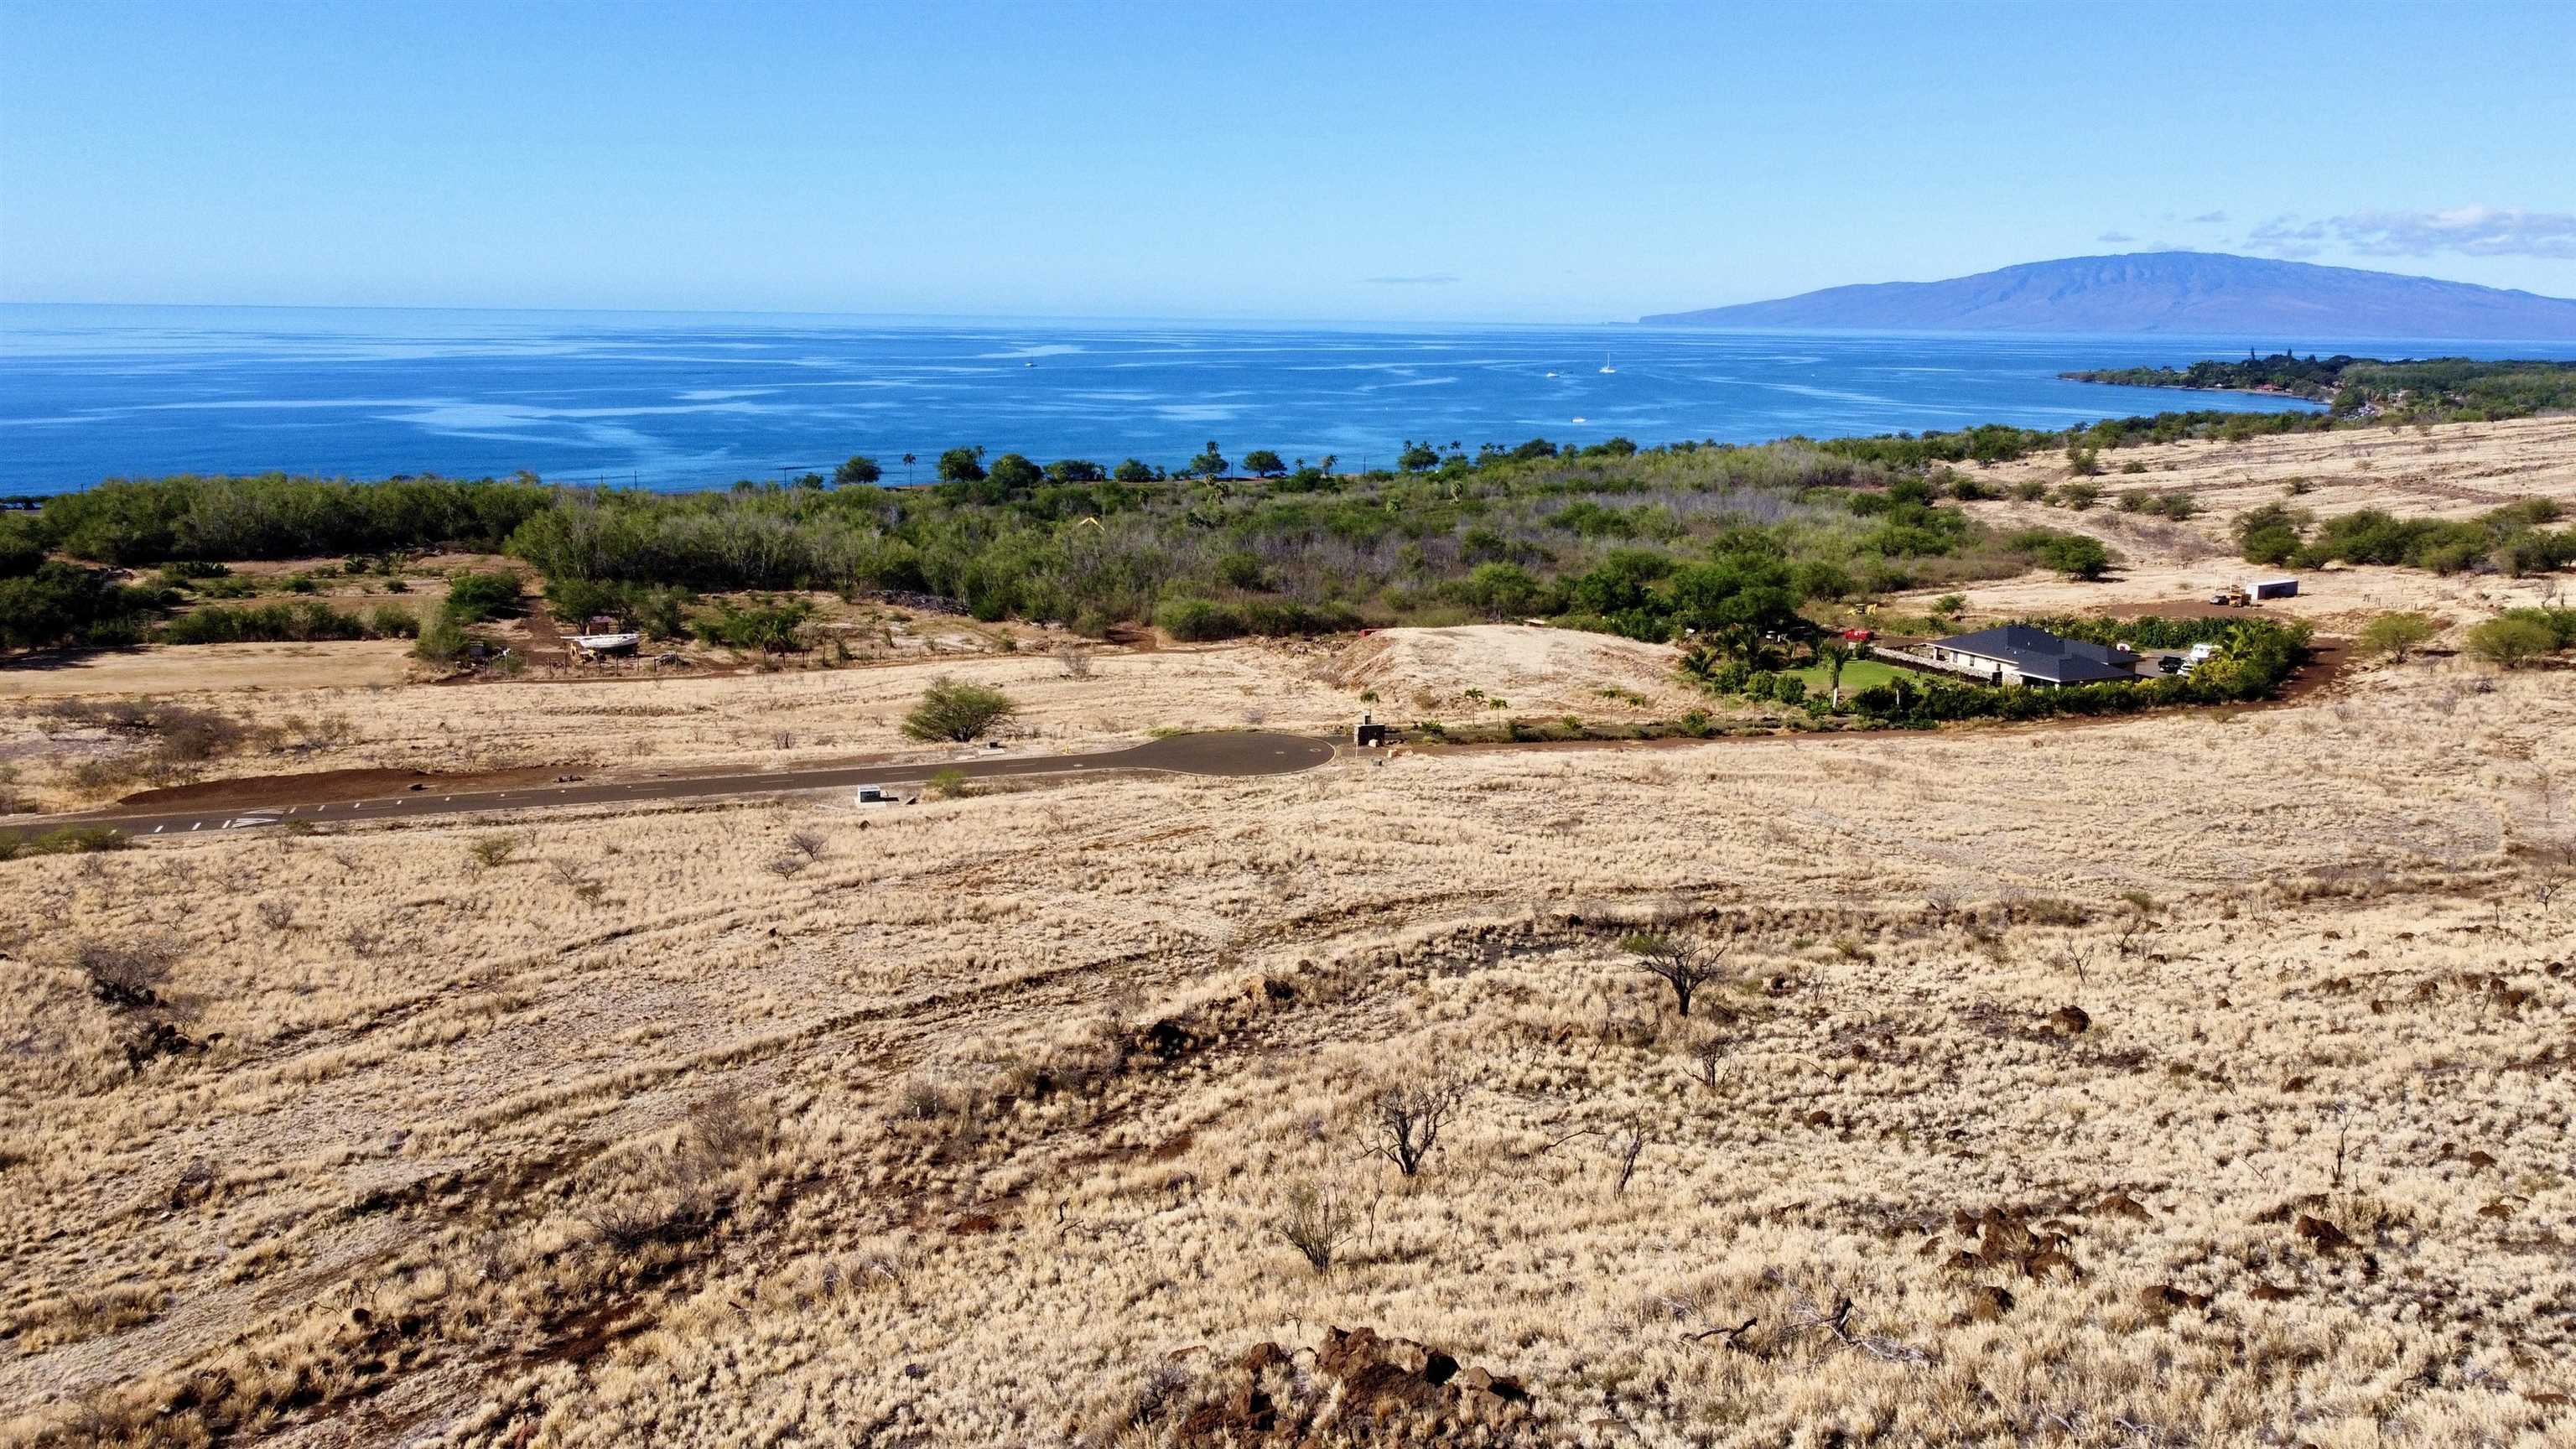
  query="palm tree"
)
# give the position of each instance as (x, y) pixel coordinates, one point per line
(907, 470)
(1834, 654)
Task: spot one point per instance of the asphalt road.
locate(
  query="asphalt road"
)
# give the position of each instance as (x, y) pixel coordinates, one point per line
(1226, 755)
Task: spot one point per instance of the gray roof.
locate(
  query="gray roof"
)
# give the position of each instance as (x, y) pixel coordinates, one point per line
(2043, 656)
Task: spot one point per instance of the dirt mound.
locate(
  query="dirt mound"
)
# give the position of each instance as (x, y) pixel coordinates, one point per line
(1520, 668)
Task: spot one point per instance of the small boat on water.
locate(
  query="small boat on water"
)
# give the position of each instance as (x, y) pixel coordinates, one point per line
(1605, 363)
(1582, 420)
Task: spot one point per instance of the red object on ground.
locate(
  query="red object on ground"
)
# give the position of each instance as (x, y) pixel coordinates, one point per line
(1860, 635)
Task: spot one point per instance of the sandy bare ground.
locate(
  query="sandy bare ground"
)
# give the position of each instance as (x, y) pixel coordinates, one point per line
(165, 670)
(804, 715)
(791, 716)
(1521, 668)
(979, 1121)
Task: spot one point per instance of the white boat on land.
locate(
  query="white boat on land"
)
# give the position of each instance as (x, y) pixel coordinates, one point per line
(606, 643)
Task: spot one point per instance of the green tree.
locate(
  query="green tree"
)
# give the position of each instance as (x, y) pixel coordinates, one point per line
(1263, 463)
(962, 465)
(475, 597)
(955, 710)
(1418, 458)
(1736, 600)
(2396, 635)
(1077, 470)
(2512, 642)
(1134, 470)
(2073, 554)
(19, 550)
(1834, 654)
(1209, 464)
(1620, 583)
(1501, 590)
(1015, 474)
(858, 472)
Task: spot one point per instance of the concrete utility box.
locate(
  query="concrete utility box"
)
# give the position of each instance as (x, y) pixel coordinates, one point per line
(2273, 588)
(1369, 734)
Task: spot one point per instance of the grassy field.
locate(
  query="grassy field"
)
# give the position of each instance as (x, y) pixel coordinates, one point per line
(2189, 1079)
(1858, 675)
(987, 1120)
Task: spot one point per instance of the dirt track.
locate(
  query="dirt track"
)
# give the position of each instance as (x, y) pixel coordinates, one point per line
(1230, 755)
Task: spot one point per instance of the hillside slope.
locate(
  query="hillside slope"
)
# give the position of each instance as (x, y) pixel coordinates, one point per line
(2185, 292)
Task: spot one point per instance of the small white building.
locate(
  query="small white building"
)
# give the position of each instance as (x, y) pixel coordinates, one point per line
(2283, 588)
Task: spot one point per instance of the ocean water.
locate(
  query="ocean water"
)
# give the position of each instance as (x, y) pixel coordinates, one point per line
(680, 401)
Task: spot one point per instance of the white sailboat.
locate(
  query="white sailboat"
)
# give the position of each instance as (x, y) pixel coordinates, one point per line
(1605, 363)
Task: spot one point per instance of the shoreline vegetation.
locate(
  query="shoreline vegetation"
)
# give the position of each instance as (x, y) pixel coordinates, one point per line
(2369, 389)
(1729, 544)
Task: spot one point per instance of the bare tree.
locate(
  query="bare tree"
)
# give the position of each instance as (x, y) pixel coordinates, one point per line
(1409, 1119)
(809, 843)
(1630, 1141)
(1708, 1050)
(1683, 965)
(1315, 1225)
(1076, 663)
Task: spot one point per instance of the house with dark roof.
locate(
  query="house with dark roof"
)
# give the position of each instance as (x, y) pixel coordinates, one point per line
(2020, 654)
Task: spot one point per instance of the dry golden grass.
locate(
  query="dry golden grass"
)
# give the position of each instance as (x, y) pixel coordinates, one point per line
(207, 668)
(977, 1121)
(797, 715)
(2449, 470)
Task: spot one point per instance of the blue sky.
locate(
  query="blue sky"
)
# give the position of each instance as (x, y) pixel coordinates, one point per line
(1504, 162)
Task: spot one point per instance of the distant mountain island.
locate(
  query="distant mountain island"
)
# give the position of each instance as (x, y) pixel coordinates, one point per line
(2208, 293)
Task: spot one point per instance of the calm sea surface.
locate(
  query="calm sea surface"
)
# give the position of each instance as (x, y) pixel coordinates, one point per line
(688, 401)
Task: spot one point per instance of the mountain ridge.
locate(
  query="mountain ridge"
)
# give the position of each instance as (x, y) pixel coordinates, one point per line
(2166, 292)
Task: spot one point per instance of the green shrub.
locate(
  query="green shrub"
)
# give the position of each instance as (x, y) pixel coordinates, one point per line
(473, 597)
(441, 640)
(1192, 620)
(2513, 640)
(2396, 635)
(772, 626)
(61, 604)
(20, 550)
(298, 621)
(956, 710)
(66, 840)
(2072, 554)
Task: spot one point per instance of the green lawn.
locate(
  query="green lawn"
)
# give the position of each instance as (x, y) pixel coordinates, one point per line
(1858, 675)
